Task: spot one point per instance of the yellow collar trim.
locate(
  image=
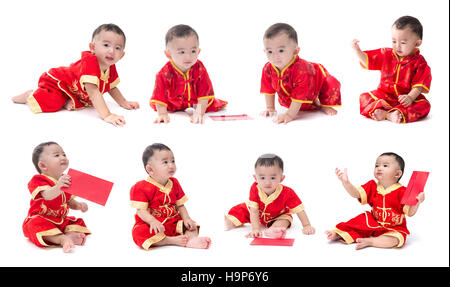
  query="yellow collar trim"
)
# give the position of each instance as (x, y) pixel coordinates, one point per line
(166, 189)
(271, 198)
(383, 191)
(185, 75)
(285, 68)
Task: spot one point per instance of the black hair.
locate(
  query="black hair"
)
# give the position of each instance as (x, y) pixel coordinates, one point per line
(37, 153)
(278, 28)
(398, 159)
(269, 159)
(409, 22)
(180, 31)
(109, 27)
(150, 150)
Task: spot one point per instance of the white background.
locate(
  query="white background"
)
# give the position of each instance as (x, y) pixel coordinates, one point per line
(215, 160)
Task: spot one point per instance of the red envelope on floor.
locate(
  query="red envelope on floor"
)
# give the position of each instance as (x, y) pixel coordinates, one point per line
(273, 241)
(415, 186)
(89, 187)
(231, 117)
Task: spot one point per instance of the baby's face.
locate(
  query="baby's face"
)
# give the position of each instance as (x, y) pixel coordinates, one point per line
(280, 50)
(53, 161)
(109, 47)
(405, 41)
(268, 177)
(387, 170)
(183, 52)
(161, 166)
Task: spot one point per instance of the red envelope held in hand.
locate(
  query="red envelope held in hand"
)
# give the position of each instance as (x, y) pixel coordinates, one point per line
(273, 241)
(231, 117)
(415, 186)
(88, 187)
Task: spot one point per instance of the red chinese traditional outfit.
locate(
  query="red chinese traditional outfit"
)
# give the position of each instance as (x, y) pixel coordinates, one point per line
(301, 81)
(162, 202)
(398, 77)
(279, 205)
(178, 91)
(49, 217)
(387, 216)
(58, 85)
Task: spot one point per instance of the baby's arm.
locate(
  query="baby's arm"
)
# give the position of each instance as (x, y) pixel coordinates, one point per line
(290, 114)
(75, 205)
(407, 100)
(254, 220)
(270, 106)
(307, 228)
(55, 191)
(197, 117)
(343, 177)
(187, 221)
(119, 98)
(413, 208)
(155, 225)
(99, 104)
(361, 55)
(163, 115)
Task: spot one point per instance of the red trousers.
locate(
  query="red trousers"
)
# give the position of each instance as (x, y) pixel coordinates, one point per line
(371, 101)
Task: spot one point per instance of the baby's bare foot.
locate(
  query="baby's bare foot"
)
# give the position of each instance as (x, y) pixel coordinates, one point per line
(67, 244)
(379, 114)
(22, 98)
(331, 235)
(328, 110)
(199, 242)
(276, 232)
(77, 238)
(395, 117)
(227, 224)
(69, 105)
(362, 243)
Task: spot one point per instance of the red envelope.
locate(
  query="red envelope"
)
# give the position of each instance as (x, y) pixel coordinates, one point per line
(231, 117)
(88, 187)
(273, 241)
(415, 186)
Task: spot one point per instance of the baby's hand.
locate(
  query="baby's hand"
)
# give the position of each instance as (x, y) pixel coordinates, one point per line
(64, 181)
(283, 118)
(405, 100)
(116, 120)
(308, 230)
(130, 105)
(269, 112)
(355, 45)
(162, 118)
(197, 118)
(254, 233)
(156, 227)
(342, 175)
(190, 224)
(420, 197)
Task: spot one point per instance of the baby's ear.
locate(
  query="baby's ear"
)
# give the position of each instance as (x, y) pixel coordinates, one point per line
(254, 176)
(282, 178)
(399, 173)
(148, 168)
(42, 166)
(91, 47)
(418, 43)
(167, 53)
(297, 50)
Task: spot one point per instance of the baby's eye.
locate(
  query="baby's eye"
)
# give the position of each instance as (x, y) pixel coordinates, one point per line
(106, 45)
(194, 51)
(281, 51)
(118, 48)
(181, 52)
(272, 178)
(385, 165)
(270, 52)
(165, 162)
(262, 177)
